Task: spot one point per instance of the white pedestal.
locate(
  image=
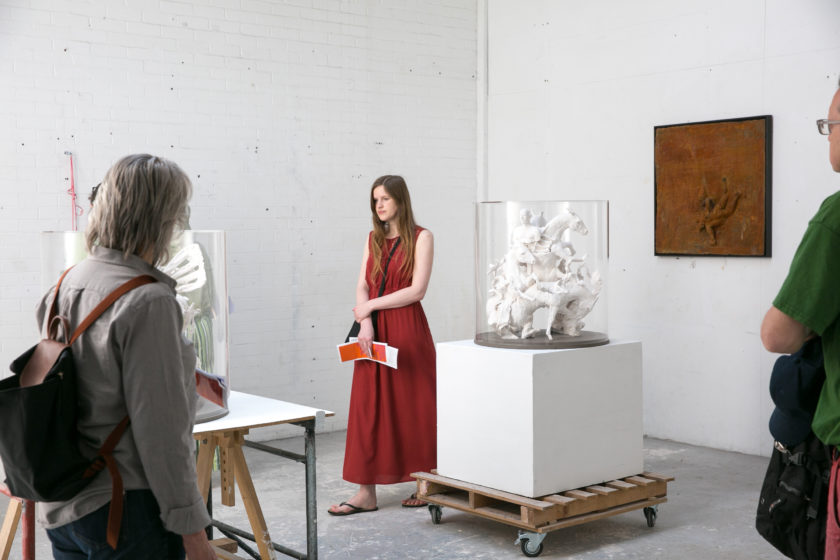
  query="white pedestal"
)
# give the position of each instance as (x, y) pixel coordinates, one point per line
(536, 422)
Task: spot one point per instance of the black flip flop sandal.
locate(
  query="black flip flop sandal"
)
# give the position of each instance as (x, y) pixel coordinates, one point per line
(414, 497)
(354, 510)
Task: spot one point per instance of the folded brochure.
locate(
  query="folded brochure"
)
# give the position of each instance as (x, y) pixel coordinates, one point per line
(382, 353)
(211, 387)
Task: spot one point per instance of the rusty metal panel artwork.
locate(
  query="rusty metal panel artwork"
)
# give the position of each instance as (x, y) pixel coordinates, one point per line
(712, 188)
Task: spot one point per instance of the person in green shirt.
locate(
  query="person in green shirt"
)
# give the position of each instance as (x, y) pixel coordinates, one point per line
(808, 305)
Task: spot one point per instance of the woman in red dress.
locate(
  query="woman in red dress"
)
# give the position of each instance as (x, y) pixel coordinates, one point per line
(391, 429)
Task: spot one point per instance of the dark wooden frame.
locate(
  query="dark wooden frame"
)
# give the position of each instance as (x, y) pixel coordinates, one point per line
(712, 188)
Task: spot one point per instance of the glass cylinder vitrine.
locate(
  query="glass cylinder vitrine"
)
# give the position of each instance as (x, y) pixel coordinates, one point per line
(541, 274)
(198, 264)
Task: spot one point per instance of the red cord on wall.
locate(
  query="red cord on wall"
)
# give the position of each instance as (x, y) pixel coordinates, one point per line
(76, 210)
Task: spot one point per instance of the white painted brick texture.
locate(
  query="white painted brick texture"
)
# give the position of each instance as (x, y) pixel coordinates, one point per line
(575, 92)
(282, 113)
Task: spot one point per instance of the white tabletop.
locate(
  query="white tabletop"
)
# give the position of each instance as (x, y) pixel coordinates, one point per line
(251, 411)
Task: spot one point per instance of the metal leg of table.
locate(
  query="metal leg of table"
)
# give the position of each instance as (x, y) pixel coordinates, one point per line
(311, 506)
(209, 502)
(308, 460)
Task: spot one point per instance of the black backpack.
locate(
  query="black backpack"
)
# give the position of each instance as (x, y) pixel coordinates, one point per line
(39, 441)
(792, 505)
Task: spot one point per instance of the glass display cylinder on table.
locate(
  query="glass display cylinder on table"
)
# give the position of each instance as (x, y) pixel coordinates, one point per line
(541, 274)
(198, 265)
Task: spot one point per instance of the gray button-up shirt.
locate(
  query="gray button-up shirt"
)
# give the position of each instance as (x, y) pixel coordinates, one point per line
(133, 360)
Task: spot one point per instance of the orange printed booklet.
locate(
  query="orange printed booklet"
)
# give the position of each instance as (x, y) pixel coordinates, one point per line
(382, 353)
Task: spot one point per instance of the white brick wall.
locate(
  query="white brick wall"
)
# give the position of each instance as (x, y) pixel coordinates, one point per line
(575, 93)
(282, 113)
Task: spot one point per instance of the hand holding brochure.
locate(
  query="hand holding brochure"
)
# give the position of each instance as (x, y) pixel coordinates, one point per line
(380, 351)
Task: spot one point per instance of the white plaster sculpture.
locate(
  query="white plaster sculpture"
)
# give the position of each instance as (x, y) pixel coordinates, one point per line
(541, 270)
(186, 267)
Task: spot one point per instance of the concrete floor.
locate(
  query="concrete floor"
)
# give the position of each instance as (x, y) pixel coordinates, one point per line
(709, 514)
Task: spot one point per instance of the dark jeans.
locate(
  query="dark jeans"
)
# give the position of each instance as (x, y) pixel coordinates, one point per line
(142, 535)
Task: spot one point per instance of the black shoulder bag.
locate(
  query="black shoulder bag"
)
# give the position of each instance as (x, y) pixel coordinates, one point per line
(354, 330)
(792, 505)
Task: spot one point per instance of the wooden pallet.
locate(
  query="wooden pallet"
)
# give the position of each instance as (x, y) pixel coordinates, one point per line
(545, 513)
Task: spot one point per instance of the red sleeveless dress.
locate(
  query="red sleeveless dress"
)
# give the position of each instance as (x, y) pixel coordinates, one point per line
(392, 425)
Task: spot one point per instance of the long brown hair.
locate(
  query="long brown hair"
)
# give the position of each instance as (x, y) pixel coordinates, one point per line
(396, 188)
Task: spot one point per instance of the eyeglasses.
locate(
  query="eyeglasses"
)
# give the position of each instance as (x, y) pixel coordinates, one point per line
(93, 192)
(824, 125)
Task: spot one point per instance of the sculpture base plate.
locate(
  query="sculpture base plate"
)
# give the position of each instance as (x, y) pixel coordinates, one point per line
(541, 342)
(208, 415)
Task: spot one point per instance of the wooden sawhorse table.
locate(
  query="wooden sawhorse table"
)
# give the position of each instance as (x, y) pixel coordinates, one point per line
(17, 508)
(228, 434)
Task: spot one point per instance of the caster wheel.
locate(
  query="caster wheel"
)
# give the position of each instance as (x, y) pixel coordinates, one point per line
(650, 515)
(436, 513)
(529, 549)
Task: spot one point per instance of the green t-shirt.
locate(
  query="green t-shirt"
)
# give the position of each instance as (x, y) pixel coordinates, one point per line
(811, 295)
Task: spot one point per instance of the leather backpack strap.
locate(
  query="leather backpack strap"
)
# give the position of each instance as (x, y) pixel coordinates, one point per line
(106, 303)
(54, 307)
(115, 510)
(106, 459)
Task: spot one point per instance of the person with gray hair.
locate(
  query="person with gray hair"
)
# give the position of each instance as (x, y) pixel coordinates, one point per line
(133, 361)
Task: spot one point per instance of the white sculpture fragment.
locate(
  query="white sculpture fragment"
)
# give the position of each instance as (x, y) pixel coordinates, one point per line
(186, 267)
(541, 270)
